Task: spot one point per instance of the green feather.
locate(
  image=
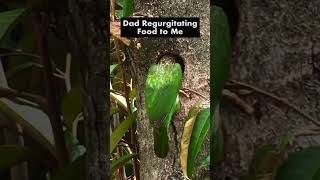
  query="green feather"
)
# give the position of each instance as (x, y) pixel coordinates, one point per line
(161, 98)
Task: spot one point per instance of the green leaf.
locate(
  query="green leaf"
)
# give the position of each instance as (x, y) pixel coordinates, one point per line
(132, 95)
(120, 99)
(199, 132)
(76, 170)
(11, 155)
(8, 19)
(132, 98)
(127, 8)
(71, 106)
(75, 149)
(302, 165)
(119, 132)
(115, 164)
(120, 3)
(186, 136)
(33, 121)
(112, 68)
(119, 13)
(13, 71)
(221, 50)
(113, 110)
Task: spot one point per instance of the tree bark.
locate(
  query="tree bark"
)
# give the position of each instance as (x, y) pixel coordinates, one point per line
(87, 33)
(277, 50)
(195, 53)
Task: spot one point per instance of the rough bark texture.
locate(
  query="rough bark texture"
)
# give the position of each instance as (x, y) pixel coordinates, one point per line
(195, 53)
(87, 34)
(277, 50)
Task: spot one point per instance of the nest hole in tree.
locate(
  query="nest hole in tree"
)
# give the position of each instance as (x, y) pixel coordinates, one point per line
(172, 58)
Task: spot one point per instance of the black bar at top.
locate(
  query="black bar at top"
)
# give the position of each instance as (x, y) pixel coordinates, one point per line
(156, 27)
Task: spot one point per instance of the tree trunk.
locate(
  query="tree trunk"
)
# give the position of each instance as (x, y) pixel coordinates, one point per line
(195, 53)
(277, 50)
(87, 33)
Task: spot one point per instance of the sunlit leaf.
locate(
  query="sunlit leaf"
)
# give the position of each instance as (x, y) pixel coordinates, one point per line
(113, 67)
(119, 13)
(115, 164)
(120, 2)
(186, 135)
(119, 99)
(199, 132)
(121, 129)
(11, 155)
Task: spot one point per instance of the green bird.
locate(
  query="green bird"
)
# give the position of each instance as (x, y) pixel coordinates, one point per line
(162, 101)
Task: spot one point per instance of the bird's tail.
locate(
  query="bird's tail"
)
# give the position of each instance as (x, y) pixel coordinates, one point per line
(160, 135)
(161, 141)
